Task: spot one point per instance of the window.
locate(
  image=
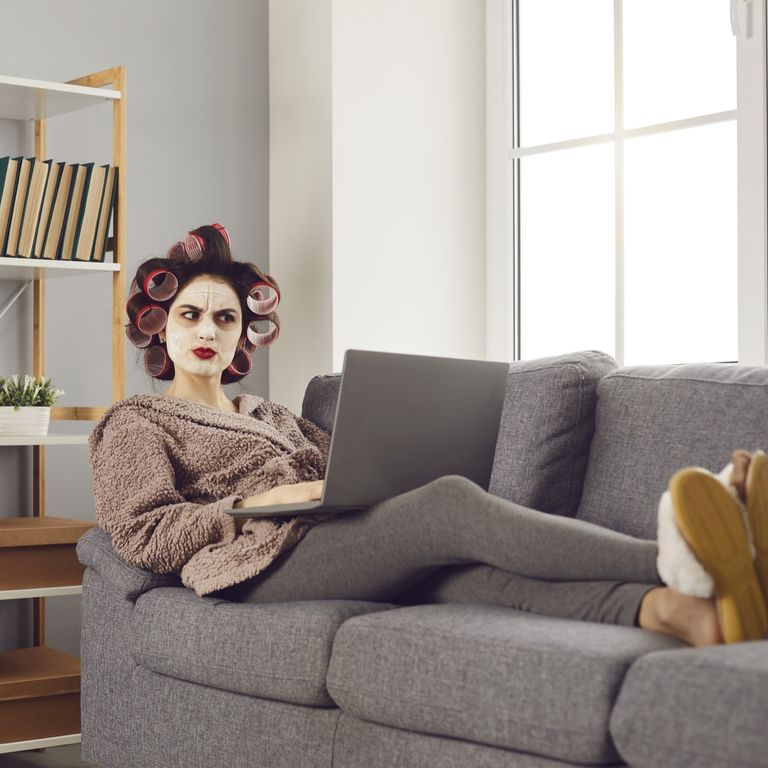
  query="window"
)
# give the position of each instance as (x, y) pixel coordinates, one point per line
(612, 180)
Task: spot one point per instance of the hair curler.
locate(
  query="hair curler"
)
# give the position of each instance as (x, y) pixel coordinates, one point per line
(222, 230)
(136, 337)
(156, 362)
(241, 363)
(260, 334)
(148, 318)
(263, 297)
(160, 284)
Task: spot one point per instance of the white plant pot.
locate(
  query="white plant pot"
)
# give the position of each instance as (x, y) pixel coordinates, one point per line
(27, 420)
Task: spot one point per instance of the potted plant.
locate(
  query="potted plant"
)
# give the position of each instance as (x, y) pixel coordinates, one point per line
(25, 405)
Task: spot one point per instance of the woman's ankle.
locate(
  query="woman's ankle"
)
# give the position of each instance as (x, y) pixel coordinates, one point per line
(691, 619)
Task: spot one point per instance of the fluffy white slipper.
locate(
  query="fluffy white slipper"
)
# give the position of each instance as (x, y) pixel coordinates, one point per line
(676, 563)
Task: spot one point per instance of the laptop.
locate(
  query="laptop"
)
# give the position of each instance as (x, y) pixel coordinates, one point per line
(402, 421)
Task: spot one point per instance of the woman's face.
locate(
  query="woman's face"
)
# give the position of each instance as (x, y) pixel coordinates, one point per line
(205, 314)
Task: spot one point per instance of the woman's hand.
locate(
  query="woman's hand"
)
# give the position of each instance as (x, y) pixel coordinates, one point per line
(281, 494)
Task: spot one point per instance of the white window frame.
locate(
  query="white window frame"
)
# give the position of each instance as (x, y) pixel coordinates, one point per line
(748, 18)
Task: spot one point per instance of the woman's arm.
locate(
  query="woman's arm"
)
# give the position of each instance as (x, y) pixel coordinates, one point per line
(151, 524)
(281, 494)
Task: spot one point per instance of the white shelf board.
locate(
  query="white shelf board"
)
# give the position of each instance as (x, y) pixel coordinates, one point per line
(25, 99)
(52, 741)
(19, 268)
(43, 440)
(23, 594)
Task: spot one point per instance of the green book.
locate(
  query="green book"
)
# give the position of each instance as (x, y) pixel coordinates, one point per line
(89, 213)
(9, 173)
(72, 214)
(105, 215)
(49, 197)
(56, 224)
(17, 207)
(37, 181)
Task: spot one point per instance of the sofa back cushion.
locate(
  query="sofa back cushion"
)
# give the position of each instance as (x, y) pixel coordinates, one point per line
(653, 420)
(545, 430)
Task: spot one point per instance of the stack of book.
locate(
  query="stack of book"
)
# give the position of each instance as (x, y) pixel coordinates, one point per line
(55, 210)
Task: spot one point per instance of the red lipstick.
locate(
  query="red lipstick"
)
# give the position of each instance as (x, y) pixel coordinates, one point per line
(204, 353)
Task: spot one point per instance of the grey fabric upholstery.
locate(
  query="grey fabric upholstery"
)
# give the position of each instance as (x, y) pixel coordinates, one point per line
(176, 724)
(653, 420)
(94, 549)
(545, 431)
(277, 651)
(489, 675)
(705, 707)
(359, 743)
(105, 673)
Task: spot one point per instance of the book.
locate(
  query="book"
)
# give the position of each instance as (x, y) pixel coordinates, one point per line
(72, 214)
(37, 182)
(105, 215)
(9, 169)
(89, 213)
(54, 178)
(19, 201)
(56, 224)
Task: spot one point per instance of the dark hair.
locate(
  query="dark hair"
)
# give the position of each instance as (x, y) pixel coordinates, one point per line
(205, 251)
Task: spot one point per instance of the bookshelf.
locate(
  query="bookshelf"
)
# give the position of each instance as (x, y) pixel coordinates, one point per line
(40, 686)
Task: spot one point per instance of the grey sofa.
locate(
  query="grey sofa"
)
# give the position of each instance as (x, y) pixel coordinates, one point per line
(172, 679)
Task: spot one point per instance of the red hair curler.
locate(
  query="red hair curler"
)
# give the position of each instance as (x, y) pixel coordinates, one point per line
(156, 362)
(222, 230)
(160, 284)
(148, 318)
(259, 300)
(136, 337)
(241, 363)
(260, 335)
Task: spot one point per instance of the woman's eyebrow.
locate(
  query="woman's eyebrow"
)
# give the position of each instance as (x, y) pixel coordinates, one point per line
(198, 309)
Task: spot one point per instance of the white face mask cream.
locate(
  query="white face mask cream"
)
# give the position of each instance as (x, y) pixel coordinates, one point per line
(204, 326)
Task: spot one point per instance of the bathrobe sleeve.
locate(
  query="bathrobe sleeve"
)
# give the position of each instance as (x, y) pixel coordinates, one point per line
(151, 524)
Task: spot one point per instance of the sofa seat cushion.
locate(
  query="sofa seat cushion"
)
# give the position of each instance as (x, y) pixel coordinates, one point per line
(490, 675)
(703, 707)
(274, 651)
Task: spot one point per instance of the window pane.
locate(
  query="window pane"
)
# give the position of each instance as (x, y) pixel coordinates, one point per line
(567, 251)
(680, 246)
(566, 69)
(679, 60)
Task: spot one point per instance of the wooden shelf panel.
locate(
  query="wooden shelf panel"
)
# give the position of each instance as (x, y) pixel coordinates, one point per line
(18, 268)
(25, 99)
(38, 554)
(44, 440)
(28, 673)
(39, 694)
(41, 531)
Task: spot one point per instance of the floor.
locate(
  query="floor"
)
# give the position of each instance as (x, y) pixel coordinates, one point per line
(54, 757)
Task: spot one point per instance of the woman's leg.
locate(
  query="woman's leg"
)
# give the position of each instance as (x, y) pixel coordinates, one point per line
(608, 602)
(380, 552)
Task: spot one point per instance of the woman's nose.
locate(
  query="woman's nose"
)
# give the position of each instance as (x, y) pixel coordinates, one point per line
(207, 329)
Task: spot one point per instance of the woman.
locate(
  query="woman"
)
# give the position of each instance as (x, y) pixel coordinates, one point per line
(167, 467)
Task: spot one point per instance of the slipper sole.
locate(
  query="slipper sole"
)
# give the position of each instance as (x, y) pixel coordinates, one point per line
(757, 512)
(711, 522)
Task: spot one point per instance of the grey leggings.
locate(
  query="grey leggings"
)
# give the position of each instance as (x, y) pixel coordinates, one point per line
(451, 541)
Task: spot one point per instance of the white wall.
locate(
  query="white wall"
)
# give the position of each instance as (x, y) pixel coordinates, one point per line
(406, 84)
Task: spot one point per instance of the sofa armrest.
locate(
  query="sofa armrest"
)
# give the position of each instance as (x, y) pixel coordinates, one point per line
(95, 550)
(700, 706)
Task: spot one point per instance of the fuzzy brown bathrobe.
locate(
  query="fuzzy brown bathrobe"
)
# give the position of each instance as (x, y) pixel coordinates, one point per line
(165, 469)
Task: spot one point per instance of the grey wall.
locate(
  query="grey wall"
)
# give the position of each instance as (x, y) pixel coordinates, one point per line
(198, 132)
